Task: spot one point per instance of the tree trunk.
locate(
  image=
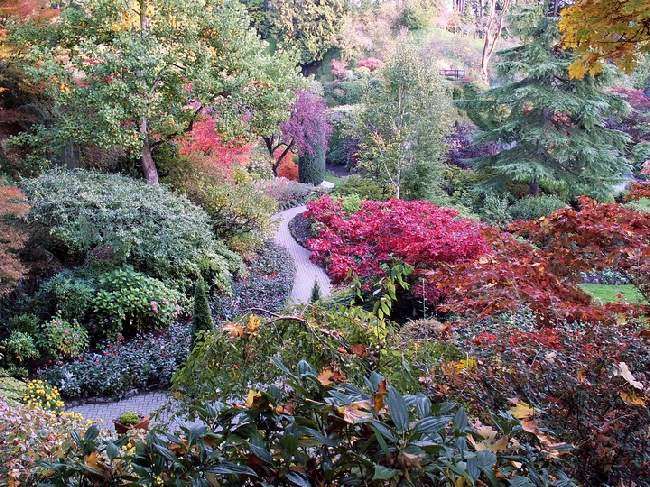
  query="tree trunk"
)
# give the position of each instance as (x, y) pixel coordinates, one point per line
(148, 165)
(492, 33)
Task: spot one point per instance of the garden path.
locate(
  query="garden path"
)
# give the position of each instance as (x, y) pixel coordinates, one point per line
(306, 272)
(306, 275)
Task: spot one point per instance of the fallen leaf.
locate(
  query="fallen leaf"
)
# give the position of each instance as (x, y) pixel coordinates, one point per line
(521, 410)
(632, 399)
(328, 376)
(378, 397)
(356, 412)
(235, 330)
(359, 350)
(622, 370)
(92, 460)
(252, 398)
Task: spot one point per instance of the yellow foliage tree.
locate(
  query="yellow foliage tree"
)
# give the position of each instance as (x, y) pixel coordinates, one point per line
(601, 30)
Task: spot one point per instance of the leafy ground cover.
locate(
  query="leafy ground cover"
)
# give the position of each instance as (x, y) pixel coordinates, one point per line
(266, 285)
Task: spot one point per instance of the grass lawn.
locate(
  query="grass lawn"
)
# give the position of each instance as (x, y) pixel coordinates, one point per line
(608, 293)
(332, 178)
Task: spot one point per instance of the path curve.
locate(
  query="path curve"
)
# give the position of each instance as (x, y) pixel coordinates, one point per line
(307, 273)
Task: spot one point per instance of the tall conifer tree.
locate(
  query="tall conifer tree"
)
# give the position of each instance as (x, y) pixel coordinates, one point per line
(551, 130)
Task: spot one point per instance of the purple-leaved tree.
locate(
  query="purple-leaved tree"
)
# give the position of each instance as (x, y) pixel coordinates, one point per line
(307, 129)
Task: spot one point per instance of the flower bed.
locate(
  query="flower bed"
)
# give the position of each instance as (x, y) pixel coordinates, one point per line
(266, 286)
(146, 362)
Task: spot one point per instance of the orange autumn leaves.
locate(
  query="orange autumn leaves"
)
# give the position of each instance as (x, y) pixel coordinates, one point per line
(12, 238)
(605, 30)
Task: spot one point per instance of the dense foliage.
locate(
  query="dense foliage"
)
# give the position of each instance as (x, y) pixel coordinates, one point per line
(596, 236)
(145, 362)
(29, 435)
(615, 31)
(90, 216)
(333, 433)
(580, 383)
(310, 26)
(401, 135)
(551, 130)
(130, 75)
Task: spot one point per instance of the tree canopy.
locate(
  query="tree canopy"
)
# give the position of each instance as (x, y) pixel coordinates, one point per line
(135, 74)
(602, 30)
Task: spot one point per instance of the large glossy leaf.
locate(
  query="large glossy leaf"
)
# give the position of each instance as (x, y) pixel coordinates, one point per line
(397, 409)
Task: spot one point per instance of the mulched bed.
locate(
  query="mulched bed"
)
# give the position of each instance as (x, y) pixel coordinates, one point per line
(300, 229)
(267, 285)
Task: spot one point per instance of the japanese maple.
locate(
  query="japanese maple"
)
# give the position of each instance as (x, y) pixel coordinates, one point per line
(596, 236)
(307, 130)
(206, 147)
(417, 233)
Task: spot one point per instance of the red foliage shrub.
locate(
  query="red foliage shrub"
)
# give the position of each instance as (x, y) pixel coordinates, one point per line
(594, 237)
(205, 147)
(417, 233)
(372, 63)
(574, 376)
(638, 190)
(287, 167)
(339, 69)
(463, 268)
(513, 274)
(12, 237)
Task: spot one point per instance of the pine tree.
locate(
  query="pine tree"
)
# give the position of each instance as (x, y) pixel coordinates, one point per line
(551, 130)
(202, 316)
(311, 168)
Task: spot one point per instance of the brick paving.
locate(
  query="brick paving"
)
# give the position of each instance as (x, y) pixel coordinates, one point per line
(307, 274)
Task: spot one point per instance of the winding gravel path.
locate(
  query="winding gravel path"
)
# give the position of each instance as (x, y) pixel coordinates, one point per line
(306, 275)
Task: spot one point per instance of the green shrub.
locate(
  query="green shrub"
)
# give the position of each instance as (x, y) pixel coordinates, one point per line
(69, 294)
(64, 339)
(365, 188)
(20, 347)
(202, 316)
(260, 166)
(129, 302)
(414, 16)
(25, 322)
(12, 390)
(240, 213)
(227, 360)
(343, 142)
(351, 203)
(495, 209)
(129, 418)
(534, 207)
(111, 218)
(311, 167)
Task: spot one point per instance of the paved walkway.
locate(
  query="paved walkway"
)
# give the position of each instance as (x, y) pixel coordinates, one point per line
(306, 274)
